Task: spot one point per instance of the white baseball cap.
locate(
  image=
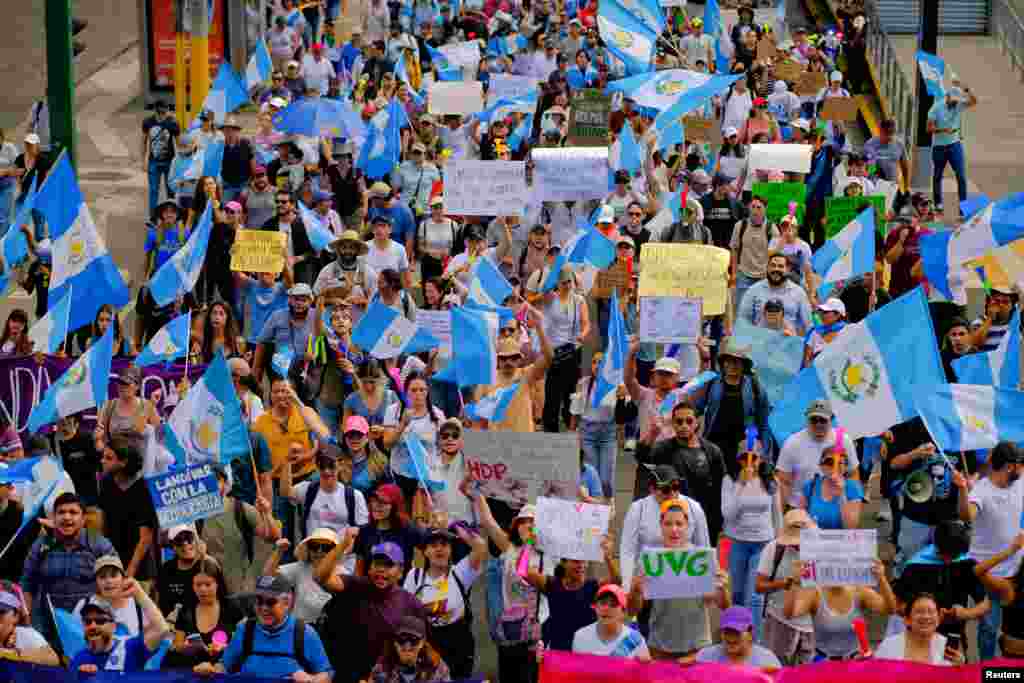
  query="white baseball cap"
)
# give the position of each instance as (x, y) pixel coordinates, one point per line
(833, 305)
(32, 139)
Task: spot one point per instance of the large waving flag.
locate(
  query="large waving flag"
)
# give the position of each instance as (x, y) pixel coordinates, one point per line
(179, 274)
(260, 66)
(870, 371)
(587, 246)
(445, 71)
(475, 356)
(776, 356)
(384, 333)
(625, 153)
(39, 482)
(80, 257)
(660, 89)
(933, 71)
(206, 426)
(521, 134)
(1002, 267)
(169, 343)
(610, 374)
(69, 631)
(693, 98)
(82, 386)
(968, 417)
(524, 104)
(227, 93)
(14, 244)
(1000, 367)
(51, 330)
(402, 74)
(713, 27)
(943, 253)
(488, 285)
(493, 406)
(420, 462)
(849, 254)
(319, 233)
(316, 116)
(383, 147)
(669, 134)
(627, 35)
(205, 161)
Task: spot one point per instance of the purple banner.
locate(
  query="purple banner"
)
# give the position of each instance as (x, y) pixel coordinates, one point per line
(23, 383)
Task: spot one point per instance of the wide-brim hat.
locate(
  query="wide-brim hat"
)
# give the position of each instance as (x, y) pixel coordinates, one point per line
(732, 349)
(324, 534)
(353, 237)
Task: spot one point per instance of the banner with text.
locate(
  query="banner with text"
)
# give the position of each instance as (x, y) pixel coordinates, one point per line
(184, 496)
(839, 211)
(842, 557)
(678, 573)
(694, 271)
(485, 188)
(571, 529)
(670, 319)
(258, 251)
(568, 174)
(778, 196)
(455, 97)
(520, 467)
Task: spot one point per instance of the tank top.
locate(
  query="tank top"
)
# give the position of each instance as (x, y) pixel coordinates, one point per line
(833, 632)
(126, 430)
(562, 321)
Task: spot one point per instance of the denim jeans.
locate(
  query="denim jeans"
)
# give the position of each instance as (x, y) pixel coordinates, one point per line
(914, 536)
(988, 629)
(597, 439)
(954, 156)
(158, 170)
(743, 283)
(333, 10)
(743, 559)
(7, 195)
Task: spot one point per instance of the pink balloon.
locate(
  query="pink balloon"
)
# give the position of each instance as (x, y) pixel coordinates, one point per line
(220, 638)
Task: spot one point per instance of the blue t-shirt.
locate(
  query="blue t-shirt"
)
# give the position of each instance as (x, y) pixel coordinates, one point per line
(135, 655)
(279, 331)
(946, 117)
(828, 514)
(259, 302)
(403, 224)
(172, 240)
(579, 79)
(282, 641)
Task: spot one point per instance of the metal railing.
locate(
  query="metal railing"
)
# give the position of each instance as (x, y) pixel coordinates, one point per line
(896, 89)
(1009, 31)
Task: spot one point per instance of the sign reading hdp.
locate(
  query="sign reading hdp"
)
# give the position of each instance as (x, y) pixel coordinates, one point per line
(683, 573)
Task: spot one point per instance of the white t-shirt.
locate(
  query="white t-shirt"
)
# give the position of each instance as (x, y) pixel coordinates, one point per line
(317, 74)
(998, 521)
(423, 427)
(800, 455)
(329, 511)
(126, 618)
(629, 643)
(775, 598)
(310, 598)
(894, 647)
(27, 638)
(393, 257)
(442, 596)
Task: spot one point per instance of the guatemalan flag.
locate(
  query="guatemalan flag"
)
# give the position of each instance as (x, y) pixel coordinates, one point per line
(260, 66)
(179, 274)
(693, 98)
(943, 253)
(521, 134)
(524, 104)
(488, 286)
(1000, 367)
(627, 36)
(227, 93)
(624, 154)
(849, 254)
(51, 330)
(493, 406)
(80, 258)
(445, 71)
(968, 417)
(169, 343)
(870, 371)
(320, 235)
(81, 387)
(933, 71)
(586, 246)
(402, 74)
(475, 356)
(610, 372)
(383, 147)
(660, 89)
(205, 161)
(713, 27)
(384, 333)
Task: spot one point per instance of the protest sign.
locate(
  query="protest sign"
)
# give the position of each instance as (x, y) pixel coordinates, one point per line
(258, 251)
(777, 357)
(455, 97)
(788, 158)
(670, 319)
(696, 271)
(485, 188)
(568, 174)
(672, 3)
(838, 557)
(810, 83)
(462, 54)
(439, 324)
(570, 529)
(779, 195)
(588, 118)
(676, 573)
(615, 277)
(788, 70)
(839, 211)
(519, 467)
(699, 129)
(185, 495)
(507, 85)
(840, 109)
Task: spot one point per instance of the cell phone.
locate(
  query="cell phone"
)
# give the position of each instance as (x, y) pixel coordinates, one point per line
(953, 641)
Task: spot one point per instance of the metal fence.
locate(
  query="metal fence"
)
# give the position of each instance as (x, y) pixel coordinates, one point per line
(897, 88)
(1009, 31)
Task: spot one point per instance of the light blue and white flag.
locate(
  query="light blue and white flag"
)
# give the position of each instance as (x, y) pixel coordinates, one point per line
(80, 258)
(402, 74)
(522, 133)
(260, 66)
(933, 72)
(14, 244)
(169, 343)
(944, 253)
(507, 45)
(488, 285)
(207, 427)
(383, 147)
(660, 89)
(69, 630)
(82, 386)
(445, 71)
(586, 246)
(475, 356)
(851, 252)
(179, 274)
(870, 371)
(385, 333)
(319, 233)
(968, 417)
(692, 99)
(494, 406)
(50, 331)
(205, 161)
(627, 36)
(777, 357)
(625, 154)
(524, 104)
(670, 134)
(714, 27)
(227, 93)
(504, 313)
(999, 367)
(45, 481)
(421, 463)
(610, 374)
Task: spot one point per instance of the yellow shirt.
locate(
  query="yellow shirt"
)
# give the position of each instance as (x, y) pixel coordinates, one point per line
(280, 438)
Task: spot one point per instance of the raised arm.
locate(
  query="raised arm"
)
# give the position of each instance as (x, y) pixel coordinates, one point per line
(324, 573)
(489, 525)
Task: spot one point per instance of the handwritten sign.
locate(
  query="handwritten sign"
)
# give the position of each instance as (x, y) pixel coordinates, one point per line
(670, 319)
(567, 174)
(485, 188)
(839, 211)
(841, 109)
(258, 251)
(455, 97)
(810, 83)
(184, 496)
(700, 129)
(788, 158)
(779, 195)
(788, 70)
(838, 557)
(615, 277)
(507, 85)
(570, 529)
(695, 271)
(672, 3)
(675, 573)
(588, 118)
(520, 467)
(462, 54)
(439, 324)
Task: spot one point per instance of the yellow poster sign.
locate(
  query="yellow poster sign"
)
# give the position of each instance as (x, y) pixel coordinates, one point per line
(688, 270)
(258, 251)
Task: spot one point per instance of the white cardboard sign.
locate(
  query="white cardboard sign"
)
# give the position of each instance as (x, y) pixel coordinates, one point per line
(485, 188)
(567, 174)
(838, 557)
(456, 97)
(570, 529)
(787, 158)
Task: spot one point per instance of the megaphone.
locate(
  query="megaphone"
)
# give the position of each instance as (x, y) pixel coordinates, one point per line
(919, 487)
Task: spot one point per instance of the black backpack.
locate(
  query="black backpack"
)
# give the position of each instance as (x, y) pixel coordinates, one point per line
(297, 653)
(307, 504)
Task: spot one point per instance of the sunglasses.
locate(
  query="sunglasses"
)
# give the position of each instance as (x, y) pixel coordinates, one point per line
(685, 421)
(284, 201)
(817, 420)
(266, 602)
(184, 539)
(320, 547)
(665, 488)
(354, 435)
(96, 621)
(407, 641)
(509, 360)
(448, 435)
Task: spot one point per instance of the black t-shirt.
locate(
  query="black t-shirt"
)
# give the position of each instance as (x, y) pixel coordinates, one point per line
(174, 586)
(720, 217)
(38, 281)
(951, 584)
(570, 611)
(230, 615)
(161, 140)
(125, 512)
(857, 300)
(237, 166)
(82, 463)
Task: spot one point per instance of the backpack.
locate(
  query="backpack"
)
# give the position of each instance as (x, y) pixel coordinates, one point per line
(307, 504)
(297, 653)
(420, 579)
